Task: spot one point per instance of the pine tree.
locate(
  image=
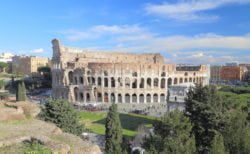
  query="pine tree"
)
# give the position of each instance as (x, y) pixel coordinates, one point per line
(203, 107)
(18, 92)
(172, 135)
(63, 115)
(113, 133)
(217, 145)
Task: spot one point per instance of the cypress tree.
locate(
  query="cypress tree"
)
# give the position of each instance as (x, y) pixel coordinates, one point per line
(23, 91)
(113, 133)
(18, 92)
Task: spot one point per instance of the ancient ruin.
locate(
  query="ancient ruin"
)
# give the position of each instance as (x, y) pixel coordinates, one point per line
(83, 76)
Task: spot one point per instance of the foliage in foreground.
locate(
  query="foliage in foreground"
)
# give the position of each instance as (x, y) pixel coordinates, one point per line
(171, 135)
(63, 115)
(113, 133)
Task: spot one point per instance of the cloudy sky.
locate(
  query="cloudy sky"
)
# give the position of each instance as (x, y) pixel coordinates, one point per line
(184, 31)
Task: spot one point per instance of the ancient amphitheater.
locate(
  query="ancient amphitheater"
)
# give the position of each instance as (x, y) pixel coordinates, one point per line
(82, 76)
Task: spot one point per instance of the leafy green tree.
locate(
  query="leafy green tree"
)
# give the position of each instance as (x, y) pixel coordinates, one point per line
(63, 115)
(3, 66)
(218, 145)
(172, 135)
(113, 133)
(204, 108)
(236, 133)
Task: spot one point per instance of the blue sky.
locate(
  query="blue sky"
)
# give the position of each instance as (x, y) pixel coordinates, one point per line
(184, 31)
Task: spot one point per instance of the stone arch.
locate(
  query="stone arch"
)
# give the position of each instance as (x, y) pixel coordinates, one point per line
(134, 98)
(93, 80)
(70, 76)
(134, 74)
(185, 80)
(127, 98)
(120, 82)
(81, 80)
(142, 83)
(175, 81)
(81, 96)
(193, 80)
(106, 97)
(141, 98)
(162, 98)
(106, 82)
(89, 80)
(105, 73)
(155, 98)
(181, 80)
(119, 98)
(169, 81)
(99, 97)
(156, 82)
(148, 98)
(163, 83)
(99, 81)
(127, 82)
(87, 97)
(149, 82)
(190, 79)
(112, 82)
(112, 98)
(76, 93)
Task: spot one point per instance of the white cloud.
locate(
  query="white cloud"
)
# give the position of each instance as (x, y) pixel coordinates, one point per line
(212, 47)
(39, 50)
(101, 30)
(190, 10)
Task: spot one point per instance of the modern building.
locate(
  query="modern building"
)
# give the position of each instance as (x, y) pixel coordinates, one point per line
(233, 73)
(82, 76)
(28, 64)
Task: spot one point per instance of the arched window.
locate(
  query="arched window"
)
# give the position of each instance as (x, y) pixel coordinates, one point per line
(181, 80)
(106, 82)
(156, 82)
(141, 98)
(119, 98)
(134, 84)
(134, 98)
(162, 98)
(112, 97)
(134, 74)
(148, 98)
(142, 83)
(163, 74)
(99, 97)
(81, 79)
(163, 83)
(127, 98)
(190, 79)
(169, 81)
(93, 81)
(99, 81)
(149, 82)
(106, 97)
(155, 98)
(70, 76)
(175, 80)
(81, 96)
(87, 97)
(112, 82)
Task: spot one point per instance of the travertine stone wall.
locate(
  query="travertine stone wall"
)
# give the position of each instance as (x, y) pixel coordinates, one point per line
(84, 77)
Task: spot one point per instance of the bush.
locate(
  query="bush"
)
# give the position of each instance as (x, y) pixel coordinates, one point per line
(63, 115)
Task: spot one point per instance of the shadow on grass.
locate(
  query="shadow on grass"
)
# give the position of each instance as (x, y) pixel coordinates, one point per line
(130, 121)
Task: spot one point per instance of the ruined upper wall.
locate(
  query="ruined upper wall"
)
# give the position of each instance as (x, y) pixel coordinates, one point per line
(66, 54)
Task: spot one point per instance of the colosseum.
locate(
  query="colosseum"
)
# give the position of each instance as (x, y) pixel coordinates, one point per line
(82, 76)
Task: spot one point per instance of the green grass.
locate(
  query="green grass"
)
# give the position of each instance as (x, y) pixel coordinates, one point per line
(95, 122)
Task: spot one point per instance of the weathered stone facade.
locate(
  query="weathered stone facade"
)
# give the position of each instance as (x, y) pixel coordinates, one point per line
(82, 76)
